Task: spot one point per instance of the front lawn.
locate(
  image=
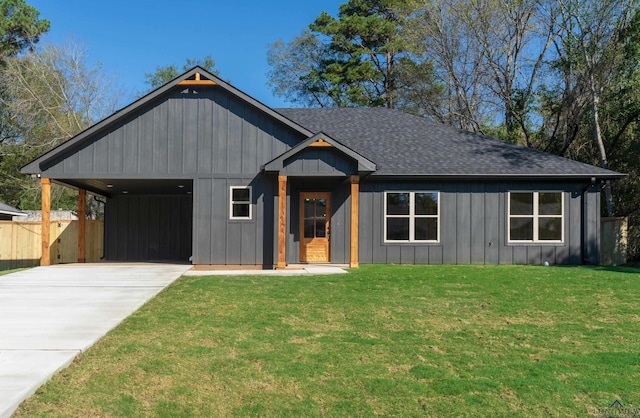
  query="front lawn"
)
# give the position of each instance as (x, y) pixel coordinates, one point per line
(3, 272)
(382, 340)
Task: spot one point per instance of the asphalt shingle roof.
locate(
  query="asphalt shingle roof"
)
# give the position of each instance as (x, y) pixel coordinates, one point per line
(403, 144)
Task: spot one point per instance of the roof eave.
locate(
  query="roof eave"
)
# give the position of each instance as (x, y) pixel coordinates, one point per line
(466, 176)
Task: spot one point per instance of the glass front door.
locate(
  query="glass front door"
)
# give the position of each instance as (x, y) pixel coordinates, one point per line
(315, 217)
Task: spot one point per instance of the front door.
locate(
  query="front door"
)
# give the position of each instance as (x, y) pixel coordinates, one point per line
(315, 219)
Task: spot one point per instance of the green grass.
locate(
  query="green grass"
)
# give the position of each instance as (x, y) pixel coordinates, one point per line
(3, 272)
(383, 340)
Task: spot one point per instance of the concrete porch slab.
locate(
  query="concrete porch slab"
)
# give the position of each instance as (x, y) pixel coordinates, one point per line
(303, 271)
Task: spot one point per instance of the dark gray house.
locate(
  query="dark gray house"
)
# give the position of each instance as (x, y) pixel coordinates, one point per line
(199, 171)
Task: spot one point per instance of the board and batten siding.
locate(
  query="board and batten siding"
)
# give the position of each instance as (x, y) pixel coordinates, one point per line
(220, 240)
(189, 133)
(148, 227)
(319, 161)
(473, 225)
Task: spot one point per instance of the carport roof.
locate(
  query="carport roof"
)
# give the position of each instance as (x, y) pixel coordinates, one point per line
(112, 186)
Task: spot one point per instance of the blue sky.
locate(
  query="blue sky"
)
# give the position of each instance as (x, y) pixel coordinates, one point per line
(133, 37)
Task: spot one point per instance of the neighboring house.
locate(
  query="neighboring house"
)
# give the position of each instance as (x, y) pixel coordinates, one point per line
(8, 212)
(198, 170)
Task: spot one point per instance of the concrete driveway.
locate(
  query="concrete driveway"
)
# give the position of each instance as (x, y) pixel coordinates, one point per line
(48, 315)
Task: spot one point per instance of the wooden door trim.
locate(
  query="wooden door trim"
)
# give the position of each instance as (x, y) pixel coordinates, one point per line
(314, 195)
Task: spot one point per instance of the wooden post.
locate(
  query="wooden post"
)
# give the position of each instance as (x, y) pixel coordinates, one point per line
(82, 215)
(45, 259)
(282, 222)
(355, 207)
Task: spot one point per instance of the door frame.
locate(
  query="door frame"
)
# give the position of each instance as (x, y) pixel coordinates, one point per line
(304, 242)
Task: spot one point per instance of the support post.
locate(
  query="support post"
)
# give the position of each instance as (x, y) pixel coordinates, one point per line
(45, 259)
(82, 215)
(355, 215)
(282, 222)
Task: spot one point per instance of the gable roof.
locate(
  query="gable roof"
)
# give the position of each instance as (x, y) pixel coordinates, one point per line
(364, 165)
(194, 77)
(394, 143)
(405, 145)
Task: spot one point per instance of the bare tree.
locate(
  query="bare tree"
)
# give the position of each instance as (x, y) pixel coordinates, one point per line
(439, 32)
(50, 95)
(489, 54)
(589, 31)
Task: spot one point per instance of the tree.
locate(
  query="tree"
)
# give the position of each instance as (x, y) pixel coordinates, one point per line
(297, 71)
(489, 54)
(438, 30)
(351, 60)
(620, 120)
(51, 94)
(163, 75)
(20, 30)
(20, 27)
(589, 51)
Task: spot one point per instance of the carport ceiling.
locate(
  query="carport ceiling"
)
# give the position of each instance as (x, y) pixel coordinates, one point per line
(112, 187)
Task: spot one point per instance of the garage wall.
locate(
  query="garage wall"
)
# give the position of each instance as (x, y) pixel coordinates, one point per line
(148, 228)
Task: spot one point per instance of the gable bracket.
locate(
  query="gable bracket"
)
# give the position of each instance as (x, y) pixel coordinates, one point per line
(198, 80)
(320, 143)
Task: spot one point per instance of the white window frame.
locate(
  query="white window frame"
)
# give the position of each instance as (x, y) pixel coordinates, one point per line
(412, 217)
(536, 217)
(232, 202)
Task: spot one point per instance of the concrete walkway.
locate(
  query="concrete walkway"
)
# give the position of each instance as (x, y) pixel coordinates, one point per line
(301, 271)
(48, 315)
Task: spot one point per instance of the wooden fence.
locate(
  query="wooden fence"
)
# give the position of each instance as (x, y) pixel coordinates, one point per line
(21, 246)
(613, 241)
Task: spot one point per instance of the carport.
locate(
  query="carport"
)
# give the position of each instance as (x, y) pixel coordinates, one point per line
(145, 219)
(144, 162)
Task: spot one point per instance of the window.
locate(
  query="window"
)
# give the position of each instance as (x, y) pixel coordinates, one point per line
(240, 203)
(535, 217)
(411, 216)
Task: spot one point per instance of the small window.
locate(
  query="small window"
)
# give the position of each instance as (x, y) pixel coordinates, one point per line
(240, 203)
(412, 216)
(536, 217)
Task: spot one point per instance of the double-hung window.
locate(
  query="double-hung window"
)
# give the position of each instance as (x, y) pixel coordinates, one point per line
(240, 202)
(536, 217)
(411, 216)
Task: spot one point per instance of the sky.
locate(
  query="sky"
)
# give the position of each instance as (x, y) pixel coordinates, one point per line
(131, 38)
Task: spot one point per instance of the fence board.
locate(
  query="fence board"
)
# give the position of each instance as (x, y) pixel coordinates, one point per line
(613, 241)
(20, 244)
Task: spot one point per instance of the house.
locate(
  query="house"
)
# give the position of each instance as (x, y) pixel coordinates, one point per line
(199, 171)
(8, 212)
